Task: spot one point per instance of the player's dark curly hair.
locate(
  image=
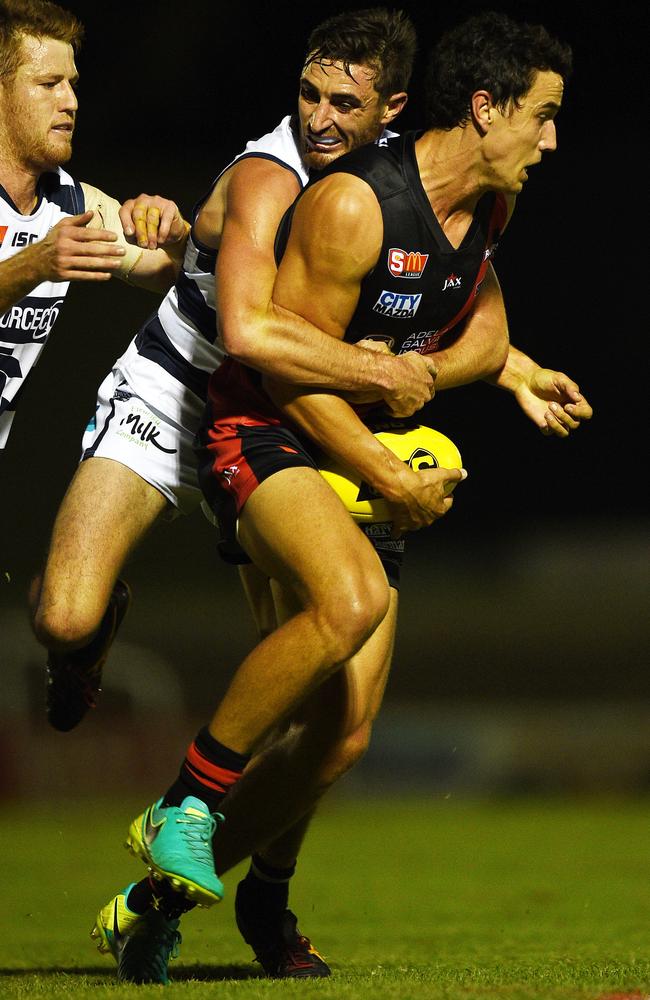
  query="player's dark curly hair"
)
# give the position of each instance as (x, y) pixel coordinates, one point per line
(38, 18)
(489, 52)
(383, 39)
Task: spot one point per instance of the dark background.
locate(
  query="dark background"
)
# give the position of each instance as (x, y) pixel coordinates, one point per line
(533, 585)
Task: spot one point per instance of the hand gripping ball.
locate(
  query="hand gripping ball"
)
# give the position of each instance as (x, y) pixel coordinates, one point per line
(420, 447)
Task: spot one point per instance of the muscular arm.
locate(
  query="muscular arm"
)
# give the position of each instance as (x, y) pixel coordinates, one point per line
(481, 349)
(263, 332)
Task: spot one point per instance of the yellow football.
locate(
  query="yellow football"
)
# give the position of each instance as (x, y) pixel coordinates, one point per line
(420, 447)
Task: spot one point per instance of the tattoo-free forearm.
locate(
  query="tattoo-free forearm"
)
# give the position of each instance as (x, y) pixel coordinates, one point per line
(481, 348)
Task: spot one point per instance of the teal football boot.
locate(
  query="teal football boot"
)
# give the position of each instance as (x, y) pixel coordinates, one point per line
(176, 843)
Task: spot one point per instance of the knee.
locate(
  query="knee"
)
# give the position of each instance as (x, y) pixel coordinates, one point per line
(353, 614)
(59, 627)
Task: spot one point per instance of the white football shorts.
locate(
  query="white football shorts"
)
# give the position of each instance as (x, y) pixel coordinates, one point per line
(130, 431)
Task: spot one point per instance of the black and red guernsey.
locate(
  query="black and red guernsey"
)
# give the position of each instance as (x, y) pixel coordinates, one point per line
(420, 289)
(421, 286)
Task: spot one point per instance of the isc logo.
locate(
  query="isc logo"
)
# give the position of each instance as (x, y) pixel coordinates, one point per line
(406, 263)
(23, 239)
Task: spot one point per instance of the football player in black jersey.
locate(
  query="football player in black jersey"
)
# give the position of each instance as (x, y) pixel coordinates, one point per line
(282, 785)
(334, 599)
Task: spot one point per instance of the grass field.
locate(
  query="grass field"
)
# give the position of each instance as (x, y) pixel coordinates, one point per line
(407, 900)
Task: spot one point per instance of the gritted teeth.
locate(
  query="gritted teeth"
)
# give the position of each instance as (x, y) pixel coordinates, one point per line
(323, 140)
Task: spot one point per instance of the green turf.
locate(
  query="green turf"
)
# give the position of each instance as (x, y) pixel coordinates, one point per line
(439, 899)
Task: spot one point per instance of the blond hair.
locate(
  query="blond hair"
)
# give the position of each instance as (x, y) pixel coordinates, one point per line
(35, 18)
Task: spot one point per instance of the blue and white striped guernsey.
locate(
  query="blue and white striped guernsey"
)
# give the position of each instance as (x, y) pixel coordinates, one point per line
(25, 326)
(169, 362)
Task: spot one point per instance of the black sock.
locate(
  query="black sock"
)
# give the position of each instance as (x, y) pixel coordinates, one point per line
(266, 887)
(149, 894)
(265, 872)
(208, 771)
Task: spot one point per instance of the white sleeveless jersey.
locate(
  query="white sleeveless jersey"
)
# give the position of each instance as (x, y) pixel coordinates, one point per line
(25, 326)
(169, 362)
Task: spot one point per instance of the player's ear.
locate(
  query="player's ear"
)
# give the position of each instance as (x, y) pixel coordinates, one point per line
(482, 110)
(394, 104)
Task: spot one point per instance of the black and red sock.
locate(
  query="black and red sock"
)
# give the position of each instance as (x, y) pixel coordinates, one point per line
(209, 770)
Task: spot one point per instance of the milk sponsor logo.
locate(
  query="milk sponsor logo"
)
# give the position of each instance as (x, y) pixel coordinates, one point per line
(406, 263)
(140, 427)
(397, 305)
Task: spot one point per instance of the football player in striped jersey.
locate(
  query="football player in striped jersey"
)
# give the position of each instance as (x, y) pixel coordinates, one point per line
(53, 229)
